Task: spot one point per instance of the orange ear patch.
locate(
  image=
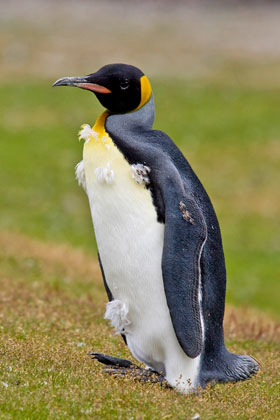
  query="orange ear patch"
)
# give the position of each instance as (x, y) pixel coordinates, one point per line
(146, 91)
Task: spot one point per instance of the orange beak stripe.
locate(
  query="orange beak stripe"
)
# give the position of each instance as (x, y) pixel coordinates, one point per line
(93, 87)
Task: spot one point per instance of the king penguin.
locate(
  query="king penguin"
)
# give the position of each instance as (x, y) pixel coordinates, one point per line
(158, 237)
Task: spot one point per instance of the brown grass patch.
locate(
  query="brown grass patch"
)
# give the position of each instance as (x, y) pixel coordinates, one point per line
(247, 323)
(73, 261)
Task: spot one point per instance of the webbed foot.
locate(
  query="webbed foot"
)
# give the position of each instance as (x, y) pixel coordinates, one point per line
(111, 360)
(122, 367)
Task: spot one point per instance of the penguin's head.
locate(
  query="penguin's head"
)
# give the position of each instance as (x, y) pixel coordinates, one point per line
(120, 88)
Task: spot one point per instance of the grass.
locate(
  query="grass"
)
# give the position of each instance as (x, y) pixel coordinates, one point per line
(228, 132)
(52, 305)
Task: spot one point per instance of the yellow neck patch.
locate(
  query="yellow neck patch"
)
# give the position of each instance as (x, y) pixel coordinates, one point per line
(97, 134)
(99, 131)
(99, 126)
(146, 91)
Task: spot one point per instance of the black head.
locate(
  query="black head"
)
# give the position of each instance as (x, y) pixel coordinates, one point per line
(120, 88)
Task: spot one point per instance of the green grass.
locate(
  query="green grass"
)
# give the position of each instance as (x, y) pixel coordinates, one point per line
(52, 305)
(229, 133)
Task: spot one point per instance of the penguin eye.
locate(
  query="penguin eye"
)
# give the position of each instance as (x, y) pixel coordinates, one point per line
(124, 85)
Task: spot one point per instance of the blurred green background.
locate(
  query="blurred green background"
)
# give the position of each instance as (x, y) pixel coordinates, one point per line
(215, 73)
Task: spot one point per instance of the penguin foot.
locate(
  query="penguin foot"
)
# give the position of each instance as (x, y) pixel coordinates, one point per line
(122, 367)
(112, 361)
(137, 374)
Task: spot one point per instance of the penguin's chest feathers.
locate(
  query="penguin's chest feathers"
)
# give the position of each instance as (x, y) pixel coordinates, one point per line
(129, 238)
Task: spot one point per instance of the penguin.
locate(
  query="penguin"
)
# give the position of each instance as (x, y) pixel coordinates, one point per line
(159, 242)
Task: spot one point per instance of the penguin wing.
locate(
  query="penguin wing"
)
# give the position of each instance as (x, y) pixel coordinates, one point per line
(184, 238)
(108, 291)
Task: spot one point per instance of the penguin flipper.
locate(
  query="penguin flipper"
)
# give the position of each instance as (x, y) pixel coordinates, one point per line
(184, 238)
(108, 291)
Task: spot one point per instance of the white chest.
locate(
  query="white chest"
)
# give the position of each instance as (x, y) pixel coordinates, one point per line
(129, 238)
(125, 222)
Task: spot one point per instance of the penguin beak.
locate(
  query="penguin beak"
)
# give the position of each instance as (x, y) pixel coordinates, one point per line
(81, 82)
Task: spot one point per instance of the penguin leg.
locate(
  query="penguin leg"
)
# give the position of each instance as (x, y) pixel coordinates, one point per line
(122, 367)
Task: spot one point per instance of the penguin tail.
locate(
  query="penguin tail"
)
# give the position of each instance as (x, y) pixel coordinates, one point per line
(241, 367)
(229, 367)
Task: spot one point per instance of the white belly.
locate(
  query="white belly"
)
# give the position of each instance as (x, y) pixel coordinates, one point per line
(130, 243)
